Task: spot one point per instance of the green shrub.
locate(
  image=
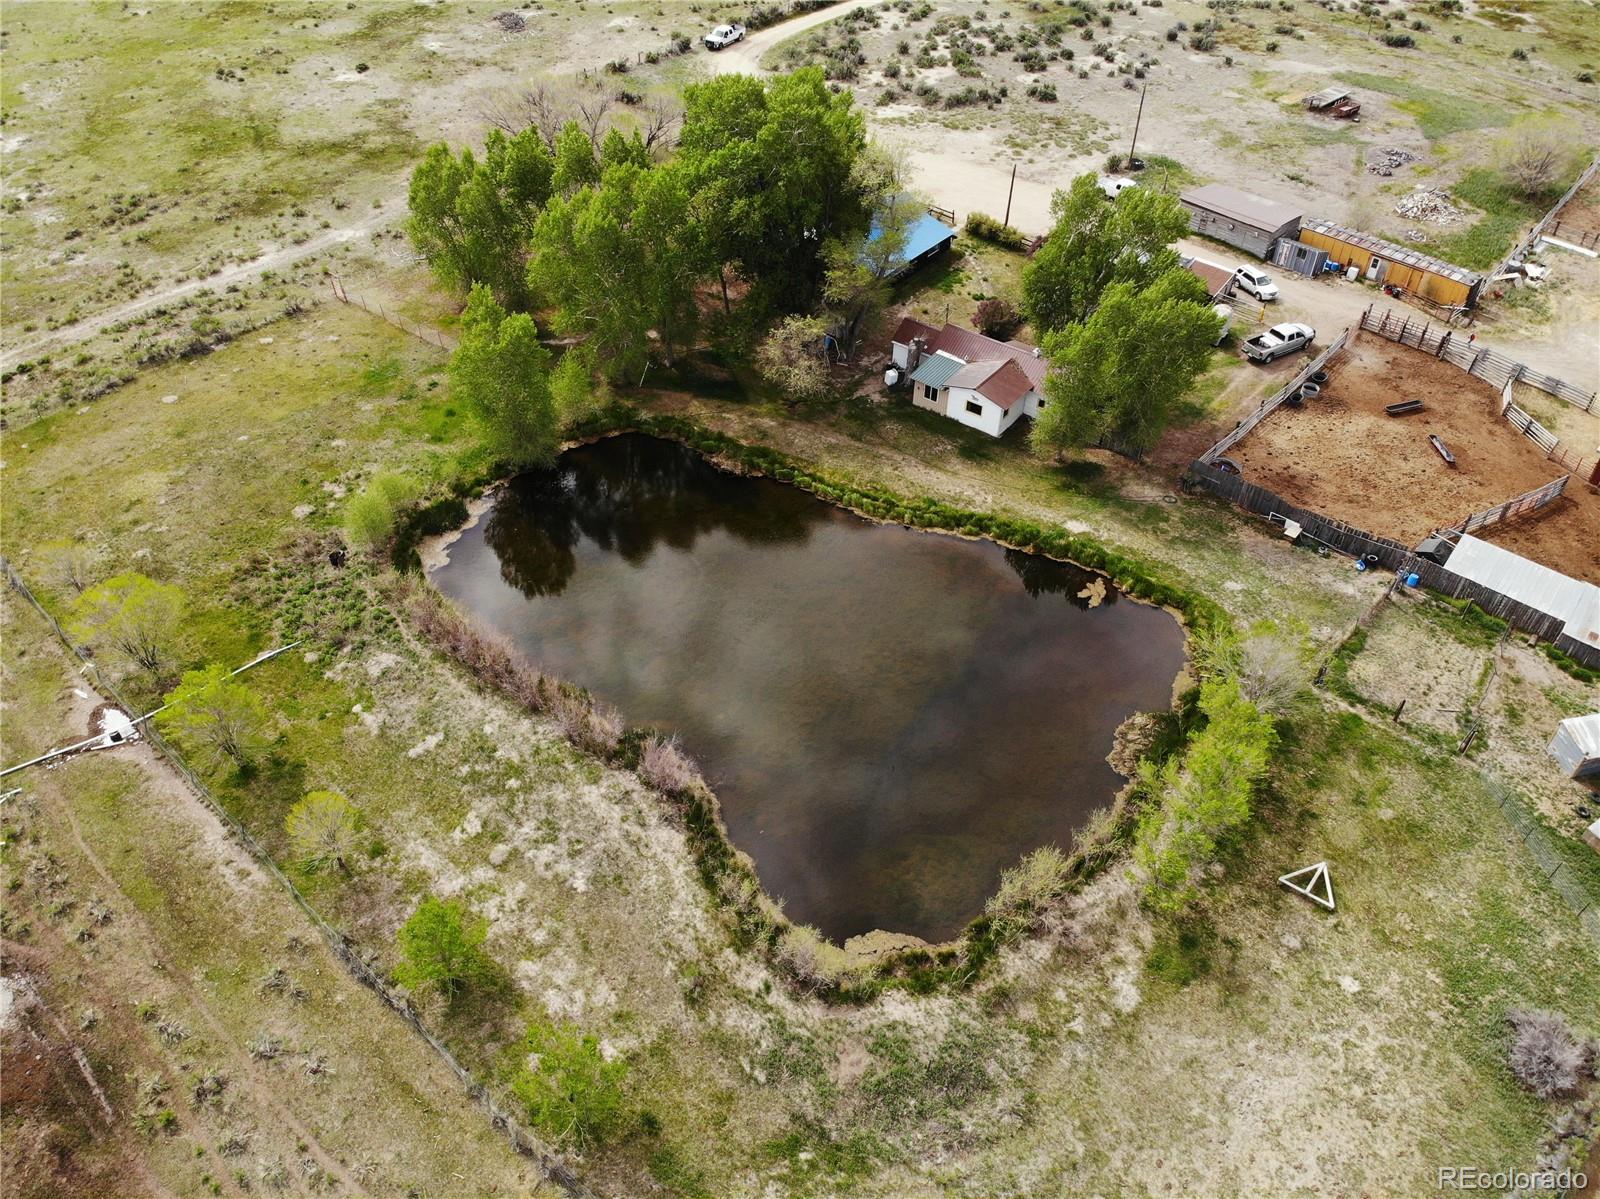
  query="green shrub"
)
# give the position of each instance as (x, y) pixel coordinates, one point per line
(369, 517)
(987, 228)
(572, 1093)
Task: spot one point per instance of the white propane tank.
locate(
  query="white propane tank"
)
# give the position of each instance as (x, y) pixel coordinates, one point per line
(891, 377)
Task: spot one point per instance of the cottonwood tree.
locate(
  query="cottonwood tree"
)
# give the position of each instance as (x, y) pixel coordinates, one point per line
(790, 357)
(1116, 377)
(1095, 242)
(211, 711)
(860, 269)
(1272, 665)
(441, 947)
(471, 219)
(619, 262)
(1537, 152)
(770, 166)
(131, 614)
(575, 162)
(502, 374)
(324, 828)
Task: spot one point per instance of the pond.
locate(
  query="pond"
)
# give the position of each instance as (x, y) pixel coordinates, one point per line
(889, 717)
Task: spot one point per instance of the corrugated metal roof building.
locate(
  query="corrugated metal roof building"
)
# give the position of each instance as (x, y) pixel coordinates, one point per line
(1576, 745)
(1239, 218)
(1549, 591)
(1385, 262)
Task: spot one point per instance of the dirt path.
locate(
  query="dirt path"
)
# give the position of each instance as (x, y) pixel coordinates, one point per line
(270, 258)
(745, 57)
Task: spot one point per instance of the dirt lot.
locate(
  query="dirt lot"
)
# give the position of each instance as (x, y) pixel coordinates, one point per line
(1342, 456)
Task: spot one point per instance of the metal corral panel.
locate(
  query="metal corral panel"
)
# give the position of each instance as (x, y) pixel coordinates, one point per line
(1549, 591)
(1433, 278)
(1576, 745)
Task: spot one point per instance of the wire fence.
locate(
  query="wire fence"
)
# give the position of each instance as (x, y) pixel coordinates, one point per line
(426, 333)
(1541, 844)
(522, 1141)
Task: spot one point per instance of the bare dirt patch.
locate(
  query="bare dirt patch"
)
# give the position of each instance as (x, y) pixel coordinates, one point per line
(1341, 455)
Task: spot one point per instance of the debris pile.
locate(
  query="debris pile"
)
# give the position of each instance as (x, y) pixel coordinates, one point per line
(1430, 205)
(511, 22)
(1389, 159)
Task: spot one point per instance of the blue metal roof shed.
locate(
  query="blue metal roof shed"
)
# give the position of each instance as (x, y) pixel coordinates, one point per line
(926, 237)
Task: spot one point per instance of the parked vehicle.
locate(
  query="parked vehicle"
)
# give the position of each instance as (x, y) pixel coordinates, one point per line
(1114, 187)
(1278, 341)
(723, 35)
(1257, 282)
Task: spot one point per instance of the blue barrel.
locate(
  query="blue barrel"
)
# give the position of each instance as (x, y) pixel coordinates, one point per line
(1361, 564)
(1413, 579)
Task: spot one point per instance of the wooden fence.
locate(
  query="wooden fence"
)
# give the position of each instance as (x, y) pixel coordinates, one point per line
(1528, 501)
(1489, 365)
(1589, 239)
(1391, 554)
(1522, 248)
(1271, 405)
(502, 1120)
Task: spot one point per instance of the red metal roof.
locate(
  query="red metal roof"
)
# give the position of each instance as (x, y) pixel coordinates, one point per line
(970, 346)
(911, 327)
(1004, 383)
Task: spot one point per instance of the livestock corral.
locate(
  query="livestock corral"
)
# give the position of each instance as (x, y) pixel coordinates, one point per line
(1343, 454)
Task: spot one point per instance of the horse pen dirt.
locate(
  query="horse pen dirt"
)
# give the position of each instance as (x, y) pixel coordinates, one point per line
(1341, 455)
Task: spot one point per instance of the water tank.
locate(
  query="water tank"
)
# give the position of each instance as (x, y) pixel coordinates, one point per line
(891, 376)
(1352, 272)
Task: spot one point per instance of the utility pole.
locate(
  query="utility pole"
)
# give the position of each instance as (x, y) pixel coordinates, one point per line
(1136, 120)
(1009, 192)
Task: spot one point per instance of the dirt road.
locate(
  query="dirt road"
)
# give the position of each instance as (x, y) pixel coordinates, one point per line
(745, 57)
(271, 257)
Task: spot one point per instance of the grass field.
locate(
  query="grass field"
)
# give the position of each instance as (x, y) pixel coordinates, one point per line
(1065, 1068)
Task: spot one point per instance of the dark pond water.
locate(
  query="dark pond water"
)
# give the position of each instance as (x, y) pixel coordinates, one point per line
(890, 718)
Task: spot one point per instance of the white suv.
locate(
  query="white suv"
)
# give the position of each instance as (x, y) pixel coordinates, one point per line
(1257, 283)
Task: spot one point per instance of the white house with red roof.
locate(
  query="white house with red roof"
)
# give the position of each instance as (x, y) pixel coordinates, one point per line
(983, 383)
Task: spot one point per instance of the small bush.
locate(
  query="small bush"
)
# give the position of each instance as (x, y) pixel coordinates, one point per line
(1113, 163)
(987, 228)
(1545, 1055)
(369, 518)
(1399, 41)
(573, 1094)
(664, 766)
(997, 318)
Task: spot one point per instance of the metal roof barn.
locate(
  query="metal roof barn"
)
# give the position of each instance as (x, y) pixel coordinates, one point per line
(1549, 591)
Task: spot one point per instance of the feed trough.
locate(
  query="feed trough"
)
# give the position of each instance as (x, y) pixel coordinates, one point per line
(1444, 450)
(1404, 408)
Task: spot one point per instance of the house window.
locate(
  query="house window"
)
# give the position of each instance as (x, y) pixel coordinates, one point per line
(929, 392)
(1042, 404)
(974, 407)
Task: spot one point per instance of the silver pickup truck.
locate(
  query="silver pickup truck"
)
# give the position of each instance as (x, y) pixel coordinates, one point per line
(1278, 341)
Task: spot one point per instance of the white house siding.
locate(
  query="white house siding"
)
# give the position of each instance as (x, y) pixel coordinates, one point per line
(991, 420)
(900, 354)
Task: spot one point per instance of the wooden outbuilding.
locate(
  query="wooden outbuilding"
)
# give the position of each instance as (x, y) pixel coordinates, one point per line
(1239, 218)
(1385, 262)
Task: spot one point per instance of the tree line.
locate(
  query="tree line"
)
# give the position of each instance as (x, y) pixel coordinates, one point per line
(773, 184)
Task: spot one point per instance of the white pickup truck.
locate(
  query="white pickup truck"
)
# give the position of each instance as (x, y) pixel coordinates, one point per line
(723, 35)
(1278, 341)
